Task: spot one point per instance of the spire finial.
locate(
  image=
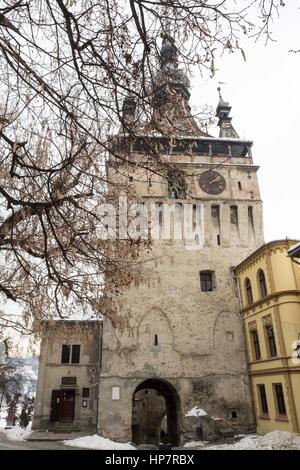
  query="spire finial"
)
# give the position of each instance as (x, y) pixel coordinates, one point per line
(219, 90)
(166, 22)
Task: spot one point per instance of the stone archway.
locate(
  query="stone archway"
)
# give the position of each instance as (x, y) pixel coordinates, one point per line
(151, 401)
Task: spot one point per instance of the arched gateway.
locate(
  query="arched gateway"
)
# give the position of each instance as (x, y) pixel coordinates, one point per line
(155, 401)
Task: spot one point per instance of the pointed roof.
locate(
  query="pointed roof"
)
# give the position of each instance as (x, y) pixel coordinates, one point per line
(171, 109)
(222, 112)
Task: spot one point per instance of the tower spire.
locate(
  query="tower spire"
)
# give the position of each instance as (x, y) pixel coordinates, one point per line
(171, 109)
(222, 112)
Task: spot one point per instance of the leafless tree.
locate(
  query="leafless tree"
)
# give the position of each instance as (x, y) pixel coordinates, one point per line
(66, 68)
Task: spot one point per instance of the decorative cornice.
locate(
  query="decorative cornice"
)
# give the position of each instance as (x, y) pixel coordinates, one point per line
(269, 298)
(263, 250)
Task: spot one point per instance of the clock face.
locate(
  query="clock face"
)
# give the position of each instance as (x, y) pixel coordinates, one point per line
(212, 182)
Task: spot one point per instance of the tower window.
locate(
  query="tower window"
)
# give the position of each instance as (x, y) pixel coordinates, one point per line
(130, 179)
(155, 340)
(218, 240)
(248, 291)
(263, 399)
(149, 182)
(234, 414)
(262, 283)
(280, 403)
(234, 215)
(215, 212)
(206, 281)
(230, 336)
(240, 185)
(250, 215)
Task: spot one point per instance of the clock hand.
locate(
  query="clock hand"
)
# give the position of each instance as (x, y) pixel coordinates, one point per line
(215, 180)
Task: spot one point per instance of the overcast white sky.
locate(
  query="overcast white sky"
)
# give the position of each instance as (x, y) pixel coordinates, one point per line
(264, 93)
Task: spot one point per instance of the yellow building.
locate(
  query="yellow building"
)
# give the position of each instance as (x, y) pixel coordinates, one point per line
(269, 285)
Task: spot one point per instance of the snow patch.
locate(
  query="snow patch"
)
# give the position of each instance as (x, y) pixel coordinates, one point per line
(196, 411)
(191, 444)
(275, 440)
(97, 442)
(16, 433)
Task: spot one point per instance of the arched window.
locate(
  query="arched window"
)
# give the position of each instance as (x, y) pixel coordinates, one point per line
(262, 283)
(248, 291)
(176, 187)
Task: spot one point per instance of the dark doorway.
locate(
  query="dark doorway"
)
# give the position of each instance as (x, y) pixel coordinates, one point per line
(153, 400)
(55, 400)
(67, 405)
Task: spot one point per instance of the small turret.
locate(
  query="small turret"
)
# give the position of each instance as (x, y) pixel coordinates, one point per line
(222, 112)
(128, 108)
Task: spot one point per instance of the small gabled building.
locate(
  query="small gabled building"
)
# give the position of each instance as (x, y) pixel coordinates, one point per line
(68, 377)
(269, 285)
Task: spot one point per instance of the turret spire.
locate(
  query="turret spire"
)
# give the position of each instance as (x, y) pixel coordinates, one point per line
(223, 110)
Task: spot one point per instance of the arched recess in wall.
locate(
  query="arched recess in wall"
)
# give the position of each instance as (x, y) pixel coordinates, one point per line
(155, 331)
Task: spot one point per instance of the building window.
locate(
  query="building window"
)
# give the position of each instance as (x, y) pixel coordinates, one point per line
(263, 400)
(248, 291)
(280, 403)
(240, 185)
(218, 240)
(75, 353)
(65, 353)
(85, 393)
(262, 283)
(255, 343)
(271, 340)
(206, 281)
(155, 340)
(72, 352)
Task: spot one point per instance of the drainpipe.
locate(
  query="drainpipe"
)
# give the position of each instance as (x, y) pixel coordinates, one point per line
(99, 374)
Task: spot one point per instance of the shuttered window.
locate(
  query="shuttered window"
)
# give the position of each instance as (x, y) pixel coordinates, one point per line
(65, 353)
(75, 353)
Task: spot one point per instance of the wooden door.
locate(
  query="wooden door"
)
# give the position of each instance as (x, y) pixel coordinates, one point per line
(55, 404)
(67, 405)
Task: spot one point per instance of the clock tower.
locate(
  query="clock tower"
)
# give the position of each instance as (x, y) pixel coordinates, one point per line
(180, 348)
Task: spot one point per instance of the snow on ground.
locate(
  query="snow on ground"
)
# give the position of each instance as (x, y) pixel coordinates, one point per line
(191, 444)
(16, 433)
(196, 411)
(276, 440)
(2, 423)
(97, 442)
